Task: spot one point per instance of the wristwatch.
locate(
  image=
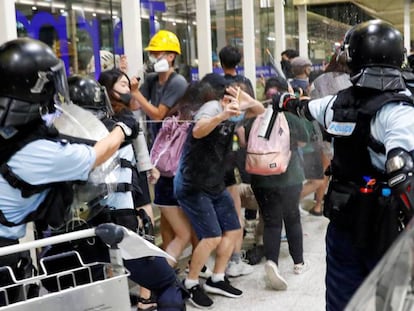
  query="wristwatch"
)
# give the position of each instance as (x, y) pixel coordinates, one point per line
(127, 131)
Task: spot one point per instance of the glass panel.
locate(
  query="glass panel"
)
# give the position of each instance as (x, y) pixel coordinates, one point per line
(78, 31)
(178, 17)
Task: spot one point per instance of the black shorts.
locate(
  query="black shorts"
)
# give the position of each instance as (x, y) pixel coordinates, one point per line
(164, 192)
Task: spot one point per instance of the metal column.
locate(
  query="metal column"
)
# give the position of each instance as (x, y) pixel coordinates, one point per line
(7, 21)
(303, 30)
(280, 35)
(204, 45)
(249, 46)
(407, 24)
(131, 30)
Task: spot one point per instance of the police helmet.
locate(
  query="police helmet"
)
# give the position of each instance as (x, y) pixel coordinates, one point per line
(32, 78)
(374, 43)
(87, 93)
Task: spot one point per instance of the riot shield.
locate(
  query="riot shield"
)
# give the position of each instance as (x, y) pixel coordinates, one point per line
(390, 285)
(78, 122)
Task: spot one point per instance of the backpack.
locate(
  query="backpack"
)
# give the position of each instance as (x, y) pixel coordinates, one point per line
(166, 151)
(268, 156)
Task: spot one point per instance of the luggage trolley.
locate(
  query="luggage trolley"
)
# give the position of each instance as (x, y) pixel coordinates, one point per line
(78, 288)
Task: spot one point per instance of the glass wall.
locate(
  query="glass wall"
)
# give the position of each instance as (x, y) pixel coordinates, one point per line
(176, 16)
(80, 31)
(77, 31)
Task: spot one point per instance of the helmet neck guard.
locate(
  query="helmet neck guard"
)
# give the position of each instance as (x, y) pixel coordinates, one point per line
(379, 78)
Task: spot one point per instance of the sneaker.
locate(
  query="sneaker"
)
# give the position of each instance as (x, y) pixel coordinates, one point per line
(300, 268)
(205, 271)
(255, 255)
(276, 281)
(235, 269)
(199, 298)
(222, 288)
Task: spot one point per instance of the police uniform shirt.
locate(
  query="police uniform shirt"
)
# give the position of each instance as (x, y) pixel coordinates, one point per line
(122, 200)
(41, 162)
(392, 125)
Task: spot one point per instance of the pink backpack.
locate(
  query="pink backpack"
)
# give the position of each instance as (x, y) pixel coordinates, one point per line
(166, 150)
(268, 156)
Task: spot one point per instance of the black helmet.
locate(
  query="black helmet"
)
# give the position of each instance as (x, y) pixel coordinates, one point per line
(87, 93)
(374, 43)
(31, 77)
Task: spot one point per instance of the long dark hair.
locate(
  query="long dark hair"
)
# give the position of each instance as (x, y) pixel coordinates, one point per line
(108, 79)
(196, 94)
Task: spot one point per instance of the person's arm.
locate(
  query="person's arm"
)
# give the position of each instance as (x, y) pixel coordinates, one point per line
(155, 113)
(208, 122)
(108, 145)
(205, 125)
(125, 127)
(246, 103)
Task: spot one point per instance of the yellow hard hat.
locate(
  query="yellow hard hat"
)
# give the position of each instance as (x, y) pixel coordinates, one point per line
(164, 40)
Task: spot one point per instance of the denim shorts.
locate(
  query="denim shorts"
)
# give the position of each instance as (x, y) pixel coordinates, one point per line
(164, 192)
(210, 215)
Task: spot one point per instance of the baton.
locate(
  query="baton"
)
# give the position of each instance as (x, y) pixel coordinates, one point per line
(275, 67)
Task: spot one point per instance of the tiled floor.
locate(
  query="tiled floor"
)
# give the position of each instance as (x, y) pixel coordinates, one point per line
(305, 292)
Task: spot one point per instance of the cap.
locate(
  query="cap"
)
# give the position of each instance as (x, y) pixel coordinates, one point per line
(300, 61)
(216, 80)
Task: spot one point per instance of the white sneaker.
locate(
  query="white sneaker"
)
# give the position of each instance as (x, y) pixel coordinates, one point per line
(238, 269)
(300, 268)
(276, 281)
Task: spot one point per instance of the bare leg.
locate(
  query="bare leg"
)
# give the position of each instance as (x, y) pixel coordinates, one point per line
(181, 231)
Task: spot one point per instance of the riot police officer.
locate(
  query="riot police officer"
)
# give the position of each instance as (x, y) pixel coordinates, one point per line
(89, 94)
(35, 164)
(370, 195)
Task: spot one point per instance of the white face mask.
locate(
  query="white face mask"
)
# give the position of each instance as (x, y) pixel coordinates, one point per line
(152, 59)
(161, 65)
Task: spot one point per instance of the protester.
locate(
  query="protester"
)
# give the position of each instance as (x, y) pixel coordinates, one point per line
(200, 190)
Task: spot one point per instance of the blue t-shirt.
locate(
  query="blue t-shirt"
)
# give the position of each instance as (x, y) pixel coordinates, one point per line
(41, 162)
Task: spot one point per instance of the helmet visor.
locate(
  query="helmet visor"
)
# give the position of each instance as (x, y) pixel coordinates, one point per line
(59, 80)
(107, 101)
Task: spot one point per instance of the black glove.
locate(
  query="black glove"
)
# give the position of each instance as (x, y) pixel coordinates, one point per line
(129, 125)
(279, 101)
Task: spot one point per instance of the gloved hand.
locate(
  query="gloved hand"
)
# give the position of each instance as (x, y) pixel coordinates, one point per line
(279, 101)
(126, 117)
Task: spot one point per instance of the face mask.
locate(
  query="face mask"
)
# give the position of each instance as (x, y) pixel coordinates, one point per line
(161, 65)
(237, 119)
(152, 59)
(124, 97)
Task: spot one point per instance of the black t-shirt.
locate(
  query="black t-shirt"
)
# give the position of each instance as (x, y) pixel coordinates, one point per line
(203, 160)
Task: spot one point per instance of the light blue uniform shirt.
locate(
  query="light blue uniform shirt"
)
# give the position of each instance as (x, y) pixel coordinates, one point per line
(40, 162)
(392, 125)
